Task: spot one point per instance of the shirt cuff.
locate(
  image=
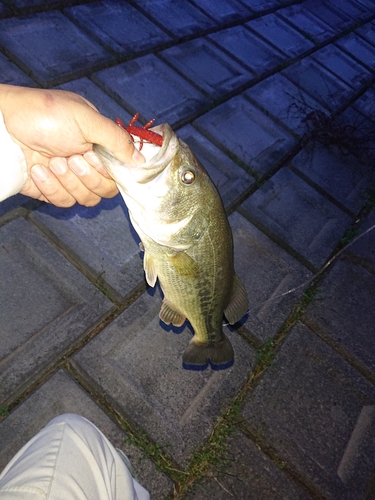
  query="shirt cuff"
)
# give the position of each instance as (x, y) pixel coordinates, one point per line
(13, 167)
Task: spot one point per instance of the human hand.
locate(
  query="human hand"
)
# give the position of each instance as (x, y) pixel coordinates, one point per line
(56, 130)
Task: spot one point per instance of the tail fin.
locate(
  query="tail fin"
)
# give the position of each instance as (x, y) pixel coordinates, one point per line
(198, 357)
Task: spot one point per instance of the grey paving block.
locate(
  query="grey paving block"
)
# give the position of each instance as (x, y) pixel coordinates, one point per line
(307, 22)
(282, 35)
(285, 101)
(261, 5)
(329, 13)
(357, 10)
(367, 31)
(118, 26)
(137, 362)
(299, 215)
(249, 474)
(342, 176)
(243, 130)
(61, 394)
(245, 46)
(364, 246)
(230, 179)
(318, 413)
(101, 238)
(178, 18)
(366, 104)
(47, 305)
(269, 274)
(346, 313)
(358, 48)
(320, 83)
(345, 67)
(206, 66)
(50, 47)
(13, 202)
(149, 86)
(105, 104)
(12, 75)
(223, 11)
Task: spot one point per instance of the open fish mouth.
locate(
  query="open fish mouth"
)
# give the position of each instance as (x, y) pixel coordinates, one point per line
(157, 157)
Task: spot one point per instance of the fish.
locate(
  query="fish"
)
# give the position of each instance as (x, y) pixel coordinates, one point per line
(187, 242)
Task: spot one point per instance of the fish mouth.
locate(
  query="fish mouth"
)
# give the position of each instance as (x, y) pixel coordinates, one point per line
(157, 157)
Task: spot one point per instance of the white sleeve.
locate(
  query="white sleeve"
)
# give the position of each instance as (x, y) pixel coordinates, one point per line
(13, 168)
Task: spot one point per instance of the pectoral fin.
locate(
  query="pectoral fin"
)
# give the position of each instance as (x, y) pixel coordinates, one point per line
(150, 269)
(168, 315)
(238, 304)
(184, 265)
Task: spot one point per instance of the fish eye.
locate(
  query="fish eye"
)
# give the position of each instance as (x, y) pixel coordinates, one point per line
(188, 177)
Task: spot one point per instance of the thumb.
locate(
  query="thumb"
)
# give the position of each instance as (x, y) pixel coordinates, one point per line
(107, 133)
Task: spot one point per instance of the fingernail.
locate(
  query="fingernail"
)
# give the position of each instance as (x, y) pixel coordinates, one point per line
(78, 165)
(58, 165)
(39, 172)
(138, 157)
(91, 157)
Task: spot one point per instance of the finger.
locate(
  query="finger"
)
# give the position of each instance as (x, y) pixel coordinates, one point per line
(105, 132)
(50, 187)
(30, 189)
(72, 183)
(91, 178)
(95, 162)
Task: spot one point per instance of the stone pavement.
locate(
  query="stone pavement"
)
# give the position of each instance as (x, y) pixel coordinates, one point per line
(277, 99)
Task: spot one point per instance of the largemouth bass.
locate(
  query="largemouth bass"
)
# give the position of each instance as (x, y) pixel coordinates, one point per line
(187, 242)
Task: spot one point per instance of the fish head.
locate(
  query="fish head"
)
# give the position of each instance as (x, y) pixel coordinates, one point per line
(166, 194)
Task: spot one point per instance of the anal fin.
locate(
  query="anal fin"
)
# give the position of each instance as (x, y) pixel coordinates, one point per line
(198, 357)
(239, 303)
(169, 315)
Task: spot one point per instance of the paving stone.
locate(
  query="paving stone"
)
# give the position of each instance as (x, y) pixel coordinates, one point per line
(12, 75)
(366, 104)
(307, 22)
(285, 101)
(4, 10)
(345, 314)
(230, 179)
(342, 176)
(50, 47)
(364, 247)
(61, 394)
(137, 362)
(358, 48)
(258, 55)
(105, 104)
(101, 238)
(13, 202)
(353, 74)
(149, 86)
(249, 475)
(178, 18)
(356, 10)
(268, 273)
(223, 11)
(319, 413)
(207, 67)
(329, 14)
(299, 215)
(369, 4)
(47, 305)
(280, 34)
(260, 5)
(118, 26)
(243, 130)
(320, 83)
(367, 32)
